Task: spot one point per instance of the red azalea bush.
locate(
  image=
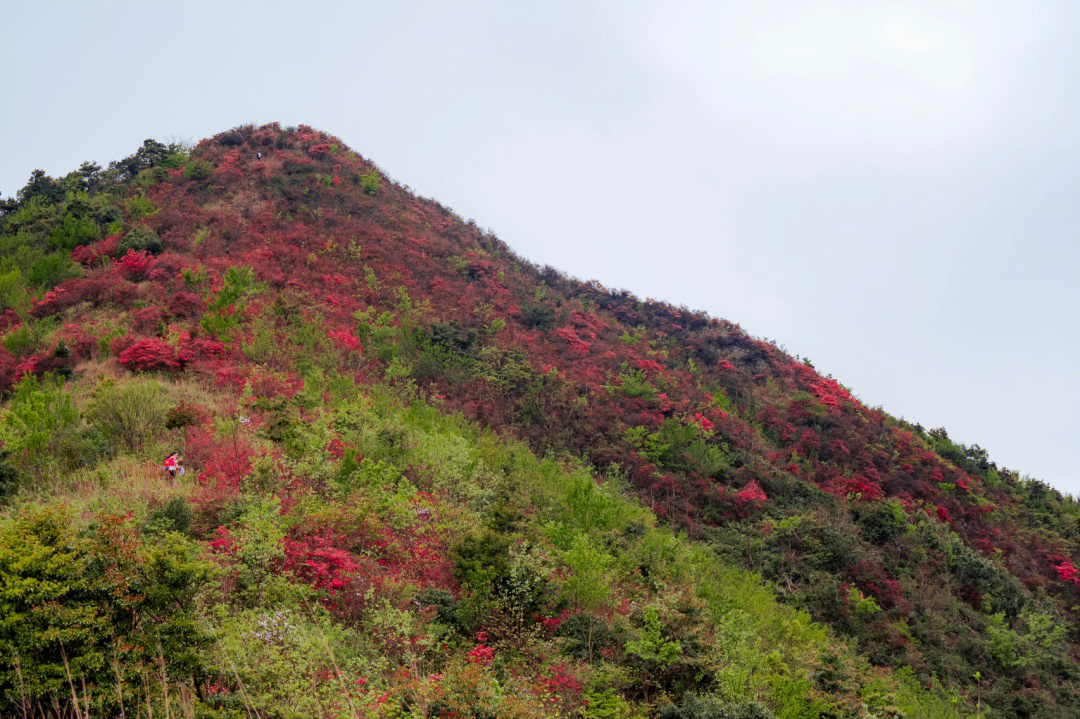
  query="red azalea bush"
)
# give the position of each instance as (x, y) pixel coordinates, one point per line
(135, 265)
(186, 305)
(316, 560)
(147, 320)
(152, 355)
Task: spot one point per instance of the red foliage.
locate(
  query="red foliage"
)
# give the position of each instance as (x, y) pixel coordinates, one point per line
(186, 305)
(316, 560)
(943, 514)
(135, 265)
(482, 653)
(751, 494)
(147, 320)
(222, 462)
(152, 355)
(1066, 571)
(91, 255)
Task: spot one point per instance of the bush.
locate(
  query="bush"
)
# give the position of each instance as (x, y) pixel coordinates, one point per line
(197, 170)
(175, 516)
(98, 604)
(186, 304)
(139, 207)
(150, 355)
(881, 522)
(73, 232)
(141, 239)
(135, 265)
(131, 413)
(9, 478)
(371, 183)
(51, 270)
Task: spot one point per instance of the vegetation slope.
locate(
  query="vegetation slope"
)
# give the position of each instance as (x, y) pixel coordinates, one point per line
(427, 478)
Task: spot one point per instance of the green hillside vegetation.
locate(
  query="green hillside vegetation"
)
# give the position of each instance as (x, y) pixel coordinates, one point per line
(140, 611)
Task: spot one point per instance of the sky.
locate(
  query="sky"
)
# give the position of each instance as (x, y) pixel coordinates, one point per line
(891, 190)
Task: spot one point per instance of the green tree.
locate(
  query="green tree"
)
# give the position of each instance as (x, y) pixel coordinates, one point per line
(588, 587)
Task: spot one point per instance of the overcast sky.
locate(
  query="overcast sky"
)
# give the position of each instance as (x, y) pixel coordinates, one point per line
(890, 190)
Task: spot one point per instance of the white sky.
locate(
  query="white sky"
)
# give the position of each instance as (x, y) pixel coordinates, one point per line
(892, 190)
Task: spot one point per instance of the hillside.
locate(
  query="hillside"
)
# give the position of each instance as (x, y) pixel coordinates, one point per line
(427, 478)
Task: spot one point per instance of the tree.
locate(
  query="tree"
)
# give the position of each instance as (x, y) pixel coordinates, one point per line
(587, 587)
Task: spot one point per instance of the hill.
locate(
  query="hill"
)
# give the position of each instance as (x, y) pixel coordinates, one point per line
(426, 477)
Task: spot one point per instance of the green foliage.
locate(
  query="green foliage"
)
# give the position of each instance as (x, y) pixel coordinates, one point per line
(371, 183)
(704, 707)
(13, 294)
(9, 478)
(225, 309)
(39, 418)
(172, 516)
(197, 170)
(131, 413)
(100, 606)
(651, 647)
(74, 231)
(51, 270)
(139, 207)
(141, 239)
(882, 522)
(194, 277)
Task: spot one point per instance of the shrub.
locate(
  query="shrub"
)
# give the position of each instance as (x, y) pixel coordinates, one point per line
(197, 170)
(13, 294)
(9, 478)
(131, 412)
(148, 320)
(881, 522)
(51, 270)
(97, 604)
(695, 707)
(73, 232)
(182, 415)
(135, 265)
(149, 355)
(141, 239)
(139, 207)
(371, 183)
(175, 515)
(186, 305)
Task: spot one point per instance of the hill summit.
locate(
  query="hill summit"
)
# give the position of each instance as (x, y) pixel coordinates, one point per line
(425, 477)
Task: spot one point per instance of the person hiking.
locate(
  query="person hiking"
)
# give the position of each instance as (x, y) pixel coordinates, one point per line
(171, 464)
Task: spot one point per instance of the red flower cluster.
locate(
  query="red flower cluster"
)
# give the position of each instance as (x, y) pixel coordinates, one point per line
(135, 265)
(314, 559)
(152, 355)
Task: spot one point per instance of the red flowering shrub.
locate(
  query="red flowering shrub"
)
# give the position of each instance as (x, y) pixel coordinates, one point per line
(91, 254)
(482, 653)
(752, 493)
(135, 265)
(562, 683)
(186, 305)
(345, 340)
(943, 514)
(152, 355)
(315, 560)
(147, 320)
(222, 463)
(1066, 571)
